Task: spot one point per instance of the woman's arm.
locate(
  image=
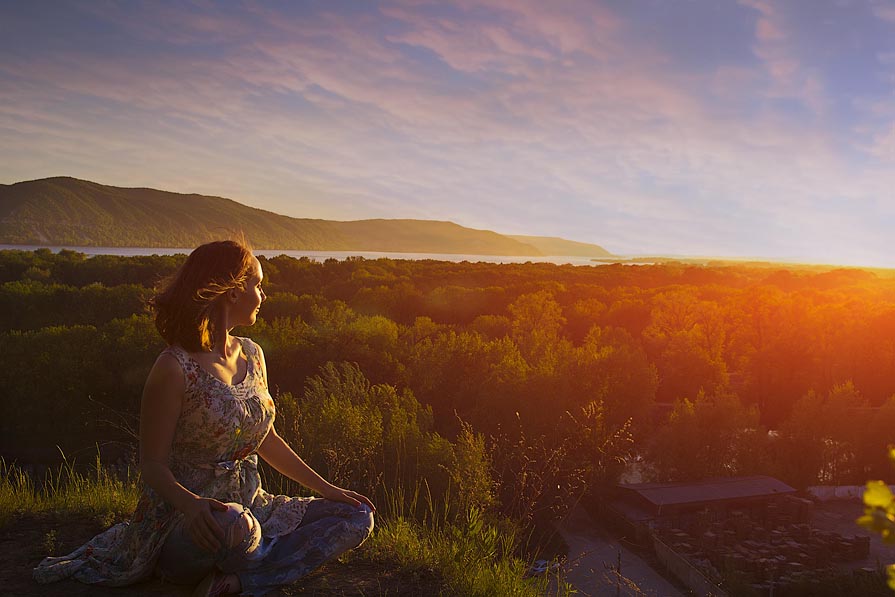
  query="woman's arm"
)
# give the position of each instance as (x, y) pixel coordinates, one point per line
(277, 453)
(159, 412)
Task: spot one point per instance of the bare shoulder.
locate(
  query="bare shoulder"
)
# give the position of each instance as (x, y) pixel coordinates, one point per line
(166, 363)
(166, 376)
(160, 408)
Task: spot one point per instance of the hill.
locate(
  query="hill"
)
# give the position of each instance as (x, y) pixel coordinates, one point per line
(72, 212)
(551, 245)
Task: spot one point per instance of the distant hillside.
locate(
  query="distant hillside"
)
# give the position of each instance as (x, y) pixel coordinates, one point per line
(68, 211)
(551, 245)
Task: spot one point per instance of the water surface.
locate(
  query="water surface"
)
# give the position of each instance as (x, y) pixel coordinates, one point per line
(323, 255)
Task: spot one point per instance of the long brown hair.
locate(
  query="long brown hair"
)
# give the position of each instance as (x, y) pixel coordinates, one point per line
(186, 303)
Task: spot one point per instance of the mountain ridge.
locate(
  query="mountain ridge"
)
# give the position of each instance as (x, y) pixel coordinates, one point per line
(75, 212)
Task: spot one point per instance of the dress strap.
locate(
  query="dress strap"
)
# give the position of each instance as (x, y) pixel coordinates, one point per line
(186, 363)
(248, 347)
(251, 352)
(178, 353)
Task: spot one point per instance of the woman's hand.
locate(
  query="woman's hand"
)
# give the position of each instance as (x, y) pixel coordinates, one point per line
(199, 521)
(277, 453)
(337, 494)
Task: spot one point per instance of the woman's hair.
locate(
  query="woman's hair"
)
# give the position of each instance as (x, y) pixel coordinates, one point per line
(186, 303)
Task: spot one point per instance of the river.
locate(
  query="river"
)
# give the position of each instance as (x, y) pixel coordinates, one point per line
(324, 255)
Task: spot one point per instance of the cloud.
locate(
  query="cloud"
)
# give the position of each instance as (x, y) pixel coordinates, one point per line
(559, 119)
(774, 46)
(884, 12)
(188, 23)
(509, 35)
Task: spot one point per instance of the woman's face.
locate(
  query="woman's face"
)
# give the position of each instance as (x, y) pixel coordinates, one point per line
(248, 301)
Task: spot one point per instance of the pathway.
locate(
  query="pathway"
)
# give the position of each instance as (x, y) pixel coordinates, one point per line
(593, 555)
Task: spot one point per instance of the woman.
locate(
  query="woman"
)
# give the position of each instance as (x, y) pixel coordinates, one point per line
(206, 415)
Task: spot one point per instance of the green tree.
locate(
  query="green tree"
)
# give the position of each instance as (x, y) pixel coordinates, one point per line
(821, 438)
(704, 438)
(537, 324)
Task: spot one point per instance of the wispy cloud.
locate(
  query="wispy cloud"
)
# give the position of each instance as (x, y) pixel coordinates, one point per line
(562, 118)
(789, 77)
(884, 11)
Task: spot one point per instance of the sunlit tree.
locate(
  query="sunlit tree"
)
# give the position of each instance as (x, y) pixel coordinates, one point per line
(703, 438)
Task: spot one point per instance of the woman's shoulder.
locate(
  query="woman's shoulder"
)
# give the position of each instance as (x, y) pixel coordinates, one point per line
(173, 353)
(167, 372)
(249, 345)
(173, 359)
(253, 352)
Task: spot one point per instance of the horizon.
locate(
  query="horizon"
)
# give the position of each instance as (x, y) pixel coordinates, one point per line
(630, 259)
(615, 258)
(737, 129)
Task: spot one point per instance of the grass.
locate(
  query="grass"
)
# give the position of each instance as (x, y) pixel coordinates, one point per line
(64, 489)
(472, 556)
(474, 559)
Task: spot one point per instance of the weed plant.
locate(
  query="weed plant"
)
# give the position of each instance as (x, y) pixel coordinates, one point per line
(94, 492)
(472, 555)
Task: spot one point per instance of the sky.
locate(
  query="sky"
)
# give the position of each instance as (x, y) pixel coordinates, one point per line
(752, 128)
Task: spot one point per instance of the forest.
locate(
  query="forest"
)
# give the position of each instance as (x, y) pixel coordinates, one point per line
(517, 388)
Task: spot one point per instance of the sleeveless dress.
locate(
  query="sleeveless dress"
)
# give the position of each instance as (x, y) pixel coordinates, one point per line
(213, 455)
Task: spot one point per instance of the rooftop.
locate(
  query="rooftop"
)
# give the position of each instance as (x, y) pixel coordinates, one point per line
(665, 494)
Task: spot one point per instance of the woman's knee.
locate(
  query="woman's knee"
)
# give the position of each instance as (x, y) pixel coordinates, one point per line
(363, 522)
(242, 532)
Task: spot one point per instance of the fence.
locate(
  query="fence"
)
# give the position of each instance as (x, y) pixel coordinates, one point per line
(685, 571)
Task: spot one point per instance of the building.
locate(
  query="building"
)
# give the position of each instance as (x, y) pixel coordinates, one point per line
(755, 528)
(636, 510)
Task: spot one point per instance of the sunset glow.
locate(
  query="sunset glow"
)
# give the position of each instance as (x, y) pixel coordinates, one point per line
(743, 129)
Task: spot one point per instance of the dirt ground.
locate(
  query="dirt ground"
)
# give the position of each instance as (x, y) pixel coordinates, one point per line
(28, 538)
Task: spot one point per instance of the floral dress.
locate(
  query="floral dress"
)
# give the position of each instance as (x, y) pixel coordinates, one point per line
(213, 455)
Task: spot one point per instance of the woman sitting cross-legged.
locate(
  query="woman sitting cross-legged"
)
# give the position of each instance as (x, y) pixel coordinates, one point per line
(206, 415)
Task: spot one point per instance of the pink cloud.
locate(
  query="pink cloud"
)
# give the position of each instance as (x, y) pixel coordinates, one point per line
(179, 24)
(523, 30)
(884, 12)
(565, 103)
(774, 46)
